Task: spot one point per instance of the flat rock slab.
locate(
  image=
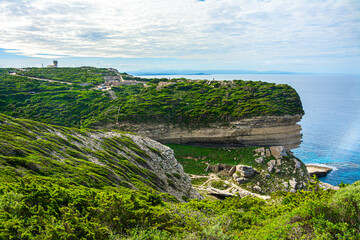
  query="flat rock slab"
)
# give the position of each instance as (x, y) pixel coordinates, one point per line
(319, 171)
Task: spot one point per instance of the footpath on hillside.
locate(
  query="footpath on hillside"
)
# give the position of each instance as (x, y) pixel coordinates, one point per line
(41, 79)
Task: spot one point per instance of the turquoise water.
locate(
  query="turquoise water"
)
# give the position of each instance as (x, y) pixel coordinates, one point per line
(331, 124)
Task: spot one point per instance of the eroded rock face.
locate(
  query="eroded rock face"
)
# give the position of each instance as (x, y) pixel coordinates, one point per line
(167, 168)
(256, 131)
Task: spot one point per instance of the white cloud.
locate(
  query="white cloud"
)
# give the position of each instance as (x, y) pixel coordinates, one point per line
(231, 30)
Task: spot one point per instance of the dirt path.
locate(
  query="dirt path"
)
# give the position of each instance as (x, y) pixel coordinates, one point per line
(232, 189)
(42, 79)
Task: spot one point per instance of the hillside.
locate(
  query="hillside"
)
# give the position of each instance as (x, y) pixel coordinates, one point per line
(78, 75)
(94, 159)
(66, 183)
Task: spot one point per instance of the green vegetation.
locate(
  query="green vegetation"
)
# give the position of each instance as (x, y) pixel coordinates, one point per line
(219, 185)
(72, 157)
(32, 209)
(74, 75)
(202, 102)
(51, 102)
(198, 180)
(183, 102)
(195, 159)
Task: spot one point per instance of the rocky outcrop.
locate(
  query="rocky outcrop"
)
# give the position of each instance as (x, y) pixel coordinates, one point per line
(319, 171)
(272, 169)
(163, 164)
(256, 131)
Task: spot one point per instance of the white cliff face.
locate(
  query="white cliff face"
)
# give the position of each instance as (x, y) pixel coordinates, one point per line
(256, 131)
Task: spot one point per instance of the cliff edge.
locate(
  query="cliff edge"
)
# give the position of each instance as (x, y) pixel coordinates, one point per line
(256, 131)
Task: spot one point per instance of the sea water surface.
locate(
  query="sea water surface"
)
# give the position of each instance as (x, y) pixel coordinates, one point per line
(331, 124)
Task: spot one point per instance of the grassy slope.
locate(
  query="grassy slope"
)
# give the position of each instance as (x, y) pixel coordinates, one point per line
(71, 156)
(75, 75)
(44, 198)
(54, 103)
(195, 159)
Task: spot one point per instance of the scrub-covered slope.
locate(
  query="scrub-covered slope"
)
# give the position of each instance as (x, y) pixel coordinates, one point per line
(87, 157)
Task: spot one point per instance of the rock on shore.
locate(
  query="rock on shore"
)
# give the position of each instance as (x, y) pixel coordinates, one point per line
(319, 171)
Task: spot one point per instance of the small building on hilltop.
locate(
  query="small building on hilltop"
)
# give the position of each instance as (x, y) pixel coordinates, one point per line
(112, 80)
(55, 64)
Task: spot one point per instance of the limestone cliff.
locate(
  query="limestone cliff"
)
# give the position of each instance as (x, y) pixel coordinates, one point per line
(256, 131)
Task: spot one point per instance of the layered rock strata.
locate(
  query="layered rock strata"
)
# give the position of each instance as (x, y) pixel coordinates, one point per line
(256, 131)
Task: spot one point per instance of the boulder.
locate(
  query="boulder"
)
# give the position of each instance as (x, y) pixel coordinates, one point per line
(272, 163)
(259, 160)
(245, 171)
(242, 180)
(278, 151)
(268, 153)
(259, 150)
(297, 164)
(221, 194)
(235, 176)
(257, 189)
(232, 170)
(293, 183)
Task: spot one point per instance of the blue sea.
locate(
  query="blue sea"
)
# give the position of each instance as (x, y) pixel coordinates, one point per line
(331, 124)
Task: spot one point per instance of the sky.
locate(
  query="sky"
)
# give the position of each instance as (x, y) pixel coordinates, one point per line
(309, 36)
